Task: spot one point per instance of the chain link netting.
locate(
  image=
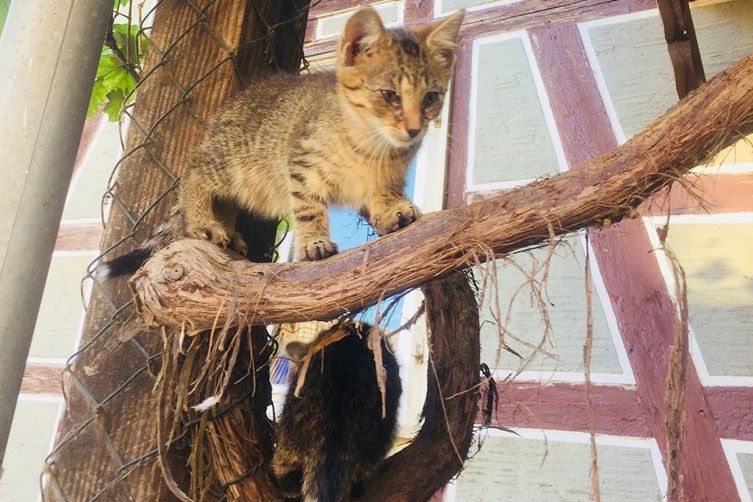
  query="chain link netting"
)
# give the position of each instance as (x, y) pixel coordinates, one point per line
(106, 447)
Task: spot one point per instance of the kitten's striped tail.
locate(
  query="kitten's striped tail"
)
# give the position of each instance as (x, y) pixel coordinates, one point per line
(127, 264)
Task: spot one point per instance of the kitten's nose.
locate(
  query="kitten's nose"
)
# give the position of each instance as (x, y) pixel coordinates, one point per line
(413, 132)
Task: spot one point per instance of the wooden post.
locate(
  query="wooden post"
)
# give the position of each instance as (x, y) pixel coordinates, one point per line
(682, 44)
(106, 438)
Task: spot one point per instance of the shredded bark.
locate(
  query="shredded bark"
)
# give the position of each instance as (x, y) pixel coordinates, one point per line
(587, 349)
(677, 369)
(375, 345)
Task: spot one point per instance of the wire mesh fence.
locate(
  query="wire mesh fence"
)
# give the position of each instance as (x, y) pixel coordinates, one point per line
(177, 60)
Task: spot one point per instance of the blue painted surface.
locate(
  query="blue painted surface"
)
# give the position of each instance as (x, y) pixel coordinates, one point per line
(349, 230)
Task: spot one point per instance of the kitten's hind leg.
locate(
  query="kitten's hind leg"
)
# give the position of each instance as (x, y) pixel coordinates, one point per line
(227, 213)
(311, 228)
(195, 200)
(288, 472)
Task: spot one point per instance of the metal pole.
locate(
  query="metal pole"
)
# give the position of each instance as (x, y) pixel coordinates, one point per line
(48, 58)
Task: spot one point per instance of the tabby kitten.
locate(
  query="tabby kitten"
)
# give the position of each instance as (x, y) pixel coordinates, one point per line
(331, 438)
(294, 144)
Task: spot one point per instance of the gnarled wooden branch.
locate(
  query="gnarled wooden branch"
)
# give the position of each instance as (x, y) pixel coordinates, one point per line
(194, 284)
(441, 446)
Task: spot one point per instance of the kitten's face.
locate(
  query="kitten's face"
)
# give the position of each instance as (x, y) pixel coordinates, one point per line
(396, 80)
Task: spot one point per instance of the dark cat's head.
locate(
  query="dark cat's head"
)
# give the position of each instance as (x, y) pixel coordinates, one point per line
(395, 80)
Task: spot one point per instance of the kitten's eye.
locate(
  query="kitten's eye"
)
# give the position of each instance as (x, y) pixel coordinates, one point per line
(392, 98)
(430, 98)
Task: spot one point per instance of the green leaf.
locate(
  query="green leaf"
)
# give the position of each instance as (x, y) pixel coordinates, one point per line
(113, 75)
(99, 94)
(114, 86)
(284, 226)
(131, 41)
(114, 105)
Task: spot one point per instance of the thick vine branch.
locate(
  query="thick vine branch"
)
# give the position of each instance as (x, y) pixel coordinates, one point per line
(434, 456)
(194, 284)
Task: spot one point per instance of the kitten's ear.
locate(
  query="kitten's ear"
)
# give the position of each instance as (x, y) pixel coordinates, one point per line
(363, 29)
(441, 36)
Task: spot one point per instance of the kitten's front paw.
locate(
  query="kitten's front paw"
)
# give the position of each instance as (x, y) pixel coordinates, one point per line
(398, 216)
(212, 232)
(317, 250)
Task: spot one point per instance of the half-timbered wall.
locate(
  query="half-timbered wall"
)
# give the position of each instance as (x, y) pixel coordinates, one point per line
(541, 86)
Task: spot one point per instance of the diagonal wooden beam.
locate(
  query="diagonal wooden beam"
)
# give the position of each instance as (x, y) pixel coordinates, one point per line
(682, 44)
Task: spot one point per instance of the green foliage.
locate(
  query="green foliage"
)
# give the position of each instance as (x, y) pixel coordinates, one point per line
(284, 226)
(114, 85)
(4, 6)
(133, 44)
